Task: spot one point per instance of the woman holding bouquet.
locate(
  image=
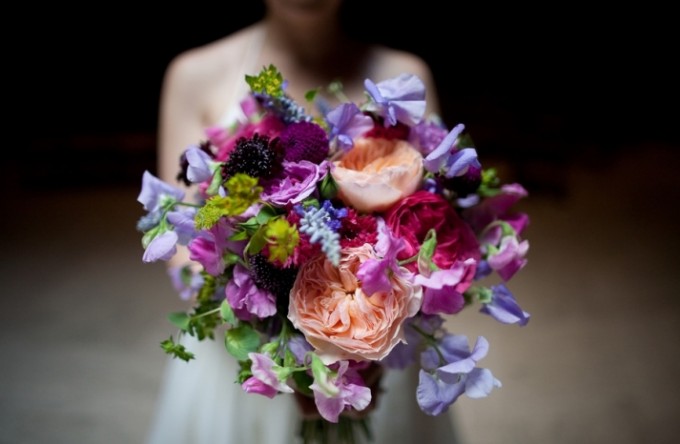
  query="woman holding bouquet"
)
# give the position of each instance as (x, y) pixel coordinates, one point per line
(199, 401)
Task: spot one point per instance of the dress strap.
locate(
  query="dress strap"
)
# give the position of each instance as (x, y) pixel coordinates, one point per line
(251, 54)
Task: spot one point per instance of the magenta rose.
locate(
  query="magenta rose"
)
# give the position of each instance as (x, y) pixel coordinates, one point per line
(412, 217)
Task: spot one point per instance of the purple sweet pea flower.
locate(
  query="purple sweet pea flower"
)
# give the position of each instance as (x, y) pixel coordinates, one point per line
(448, 159)
(404, 354)
(246, 299)
(162, 247)
(254, 385)
(268, 372)
(504, 308)
(348, 389)
(299, 347)
(374, 274)
(443, 289)
(427, 136)
(497, 207)
(183, 221)
(201, 166)
(185, 281)
(437, 391)
(346, 123)
(509, 257)
(154, 192)
(208, 249)
(298, 182)
(398, 99)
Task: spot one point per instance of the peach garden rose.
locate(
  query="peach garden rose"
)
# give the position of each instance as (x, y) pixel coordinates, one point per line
(378, 172)
(339, 320)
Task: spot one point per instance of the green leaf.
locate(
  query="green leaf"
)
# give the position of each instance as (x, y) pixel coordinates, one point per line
(328, 187)
(176, 350)
(180, 320)
(266, 213)
(426, 252)
(215, 183)
(311, 94)
(241, 340)
(227, 313)
(257, 242)
(302, 382)
(239, 236)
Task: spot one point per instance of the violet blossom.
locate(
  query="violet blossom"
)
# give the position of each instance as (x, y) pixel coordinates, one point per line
(162, 247)
(298, 182)
(268, 373)
(246, 299)
(401, 98)
(450, 160)
(345, 388)
(427, 136)
(201, 166)
(346, 123)
(440, 385)
(185, 281)
(443, 289)
(156, 193)
(374, 274)
(504, 308)
(210, 246)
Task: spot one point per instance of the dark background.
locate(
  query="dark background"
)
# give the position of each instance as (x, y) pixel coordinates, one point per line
(537, 89)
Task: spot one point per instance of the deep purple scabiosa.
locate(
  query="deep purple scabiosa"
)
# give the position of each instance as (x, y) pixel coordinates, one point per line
(257, 156)
(304, 141)
(269, 277)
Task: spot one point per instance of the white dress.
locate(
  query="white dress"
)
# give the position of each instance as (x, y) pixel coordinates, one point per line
(200, 403)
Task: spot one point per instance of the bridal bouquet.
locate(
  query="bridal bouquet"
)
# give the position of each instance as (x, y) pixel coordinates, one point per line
(327, 249)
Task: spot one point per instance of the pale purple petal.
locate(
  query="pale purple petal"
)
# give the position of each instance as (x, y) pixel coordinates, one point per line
(495, 207)
(298, 182)
(199, 165)
(450, 372)
(358, 396)
(437, 159)
(264, 369)
(346, 123)
(504, 308)
(446, 300)
(162, 247)
(254, 385)
(399, 99)
(479, 383)
(460, 161)
(183, 221)
(329, 408)
(435, 396)
(246, 298)
(373, 276)
(299, 346)
(261, 303)
(185, 281)
(427, 136)
(153, 191)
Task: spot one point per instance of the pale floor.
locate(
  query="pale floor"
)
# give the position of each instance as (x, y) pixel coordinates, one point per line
(599, 362)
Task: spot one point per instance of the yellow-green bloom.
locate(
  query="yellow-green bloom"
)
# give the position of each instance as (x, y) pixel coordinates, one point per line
(282, 239)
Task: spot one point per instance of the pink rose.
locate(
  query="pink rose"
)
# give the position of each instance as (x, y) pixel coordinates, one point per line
(376, 173)
(328, 305)
(412, 217)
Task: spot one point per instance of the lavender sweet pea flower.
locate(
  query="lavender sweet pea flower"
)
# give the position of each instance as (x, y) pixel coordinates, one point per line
(427, 136)
(345, 390)
(504, 308)
(162, 247)
(346, 123)
(404, 353)
(398, 99)
(201, 166)
(509, 257)
(268, 372)
(443, 288)
(448, 159)
(297, 183)
(496, 207)
(208, 249)
(254, 385)
(374, 274)
(299, 347)
(185, 281)
(154, 192)
(437, 391)
(246, 299)
(183, 221)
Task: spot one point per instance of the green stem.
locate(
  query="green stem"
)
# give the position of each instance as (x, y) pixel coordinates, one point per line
(207, 313)
(409, 260)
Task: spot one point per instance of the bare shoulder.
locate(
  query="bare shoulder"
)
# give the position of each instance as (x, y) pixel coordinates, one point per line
(389, 62)
(207, 65)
